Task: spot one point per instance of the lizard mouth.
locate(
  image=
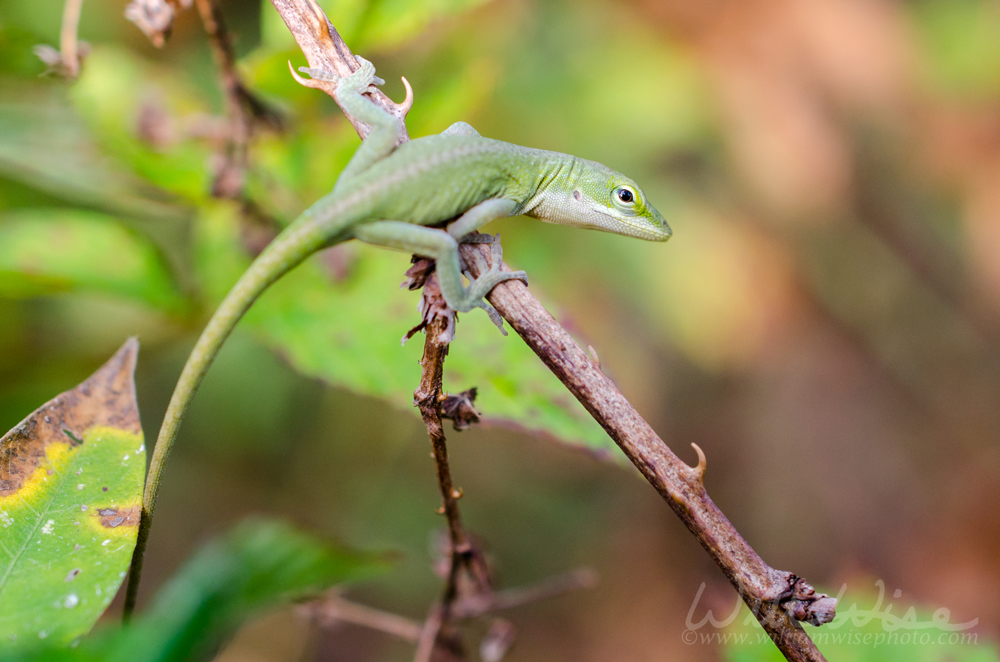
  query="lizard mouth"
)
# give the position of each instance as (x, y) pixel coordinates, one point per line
(635, 226)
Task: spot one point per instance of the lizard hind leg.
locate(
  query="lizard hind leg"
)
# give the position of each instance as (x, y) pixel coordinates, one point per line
(441, 246)
(480, 287)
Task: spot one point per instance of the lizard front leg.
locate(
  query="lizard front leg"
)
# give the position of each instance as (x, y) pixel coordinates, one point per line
(443, 248)
(385, 127)
(478, 216)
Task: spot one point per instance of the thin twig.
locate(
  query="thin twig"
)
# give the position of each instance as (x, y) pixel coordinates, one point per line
(429, 636)
(479, 605)
(65, 61)
(68, 37)
(427, 398)
(243, 109)
(461, 554)
(334, 608)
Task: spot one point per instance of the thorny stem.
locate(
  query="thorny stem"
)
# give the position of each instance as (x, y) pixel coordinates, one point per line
(778, 599)
(428, 399)
(462, 555)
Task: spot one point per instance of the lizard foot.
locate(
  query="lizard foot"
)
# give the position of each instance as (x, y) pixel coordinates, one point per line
(494, 315)
(482, 286)
(362, 77)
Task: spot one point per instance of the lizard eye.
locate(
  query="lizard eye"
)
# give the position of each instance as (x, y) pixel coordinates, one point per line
(625, 195)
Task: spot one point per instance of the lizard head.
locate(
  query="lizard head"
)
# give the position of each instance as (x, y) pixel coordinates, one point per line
(594, 196)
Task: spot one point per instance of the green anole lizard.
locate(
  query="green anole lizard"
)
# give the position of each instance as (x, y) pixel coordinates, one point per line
(392, 196)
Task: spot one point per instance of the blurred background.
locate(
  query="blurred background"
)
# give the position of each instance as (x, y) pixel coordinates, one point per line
(825, 322)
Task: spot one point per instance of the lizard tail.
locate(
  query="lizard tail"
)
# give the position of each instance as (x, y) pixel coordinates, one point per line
(300, 240)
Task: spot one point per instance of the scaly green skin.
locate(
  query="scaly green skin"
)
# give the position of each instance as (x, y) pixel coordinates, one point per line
(389, 195)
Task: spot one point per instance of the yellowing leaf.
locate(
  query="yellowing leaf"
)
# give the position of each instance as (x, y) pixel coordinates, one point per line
(71, 478)
(44, 144)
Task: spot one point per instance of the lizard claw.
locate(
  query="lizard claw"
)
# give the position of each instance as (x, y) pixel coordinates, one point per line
(494, 315)
(496, 253)
(321, 74)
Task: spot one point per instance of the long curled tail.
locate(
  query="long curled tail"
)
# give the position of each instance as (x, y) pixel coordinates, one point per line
(300, 240)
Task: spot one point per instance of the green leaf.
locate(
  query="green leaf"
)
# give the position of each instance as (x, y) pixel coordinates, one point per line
(45, 145)
(71, 478)
(117, 91)
(53, 250)
(261, 563)
(869, 627)
(961, 41)
(348, 334)
(388, 23)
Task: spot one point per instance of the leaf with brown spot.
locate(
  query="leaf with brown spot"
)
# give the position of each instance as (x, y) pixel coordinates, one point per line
(71, 478)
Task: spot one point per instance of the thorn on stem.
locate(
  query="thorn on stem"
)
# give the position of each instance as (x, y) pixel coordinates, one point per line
(457, 493)
(594, 357)
(699, 470)
(404, 108)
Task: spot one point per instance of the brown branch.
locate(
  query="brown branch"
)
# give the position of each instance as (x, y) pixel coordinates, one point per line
(427, 398)
(462, 555)
(65, 61)
(778, 599)
(244, 111)
(332, 609)
(481, 604)
(68, 37)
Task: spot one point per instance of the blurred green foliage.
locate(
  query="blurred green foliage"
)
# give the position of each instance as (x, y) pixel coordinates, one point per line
(962, 41)
(259, 564)
(824, 322)
(44, 251)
